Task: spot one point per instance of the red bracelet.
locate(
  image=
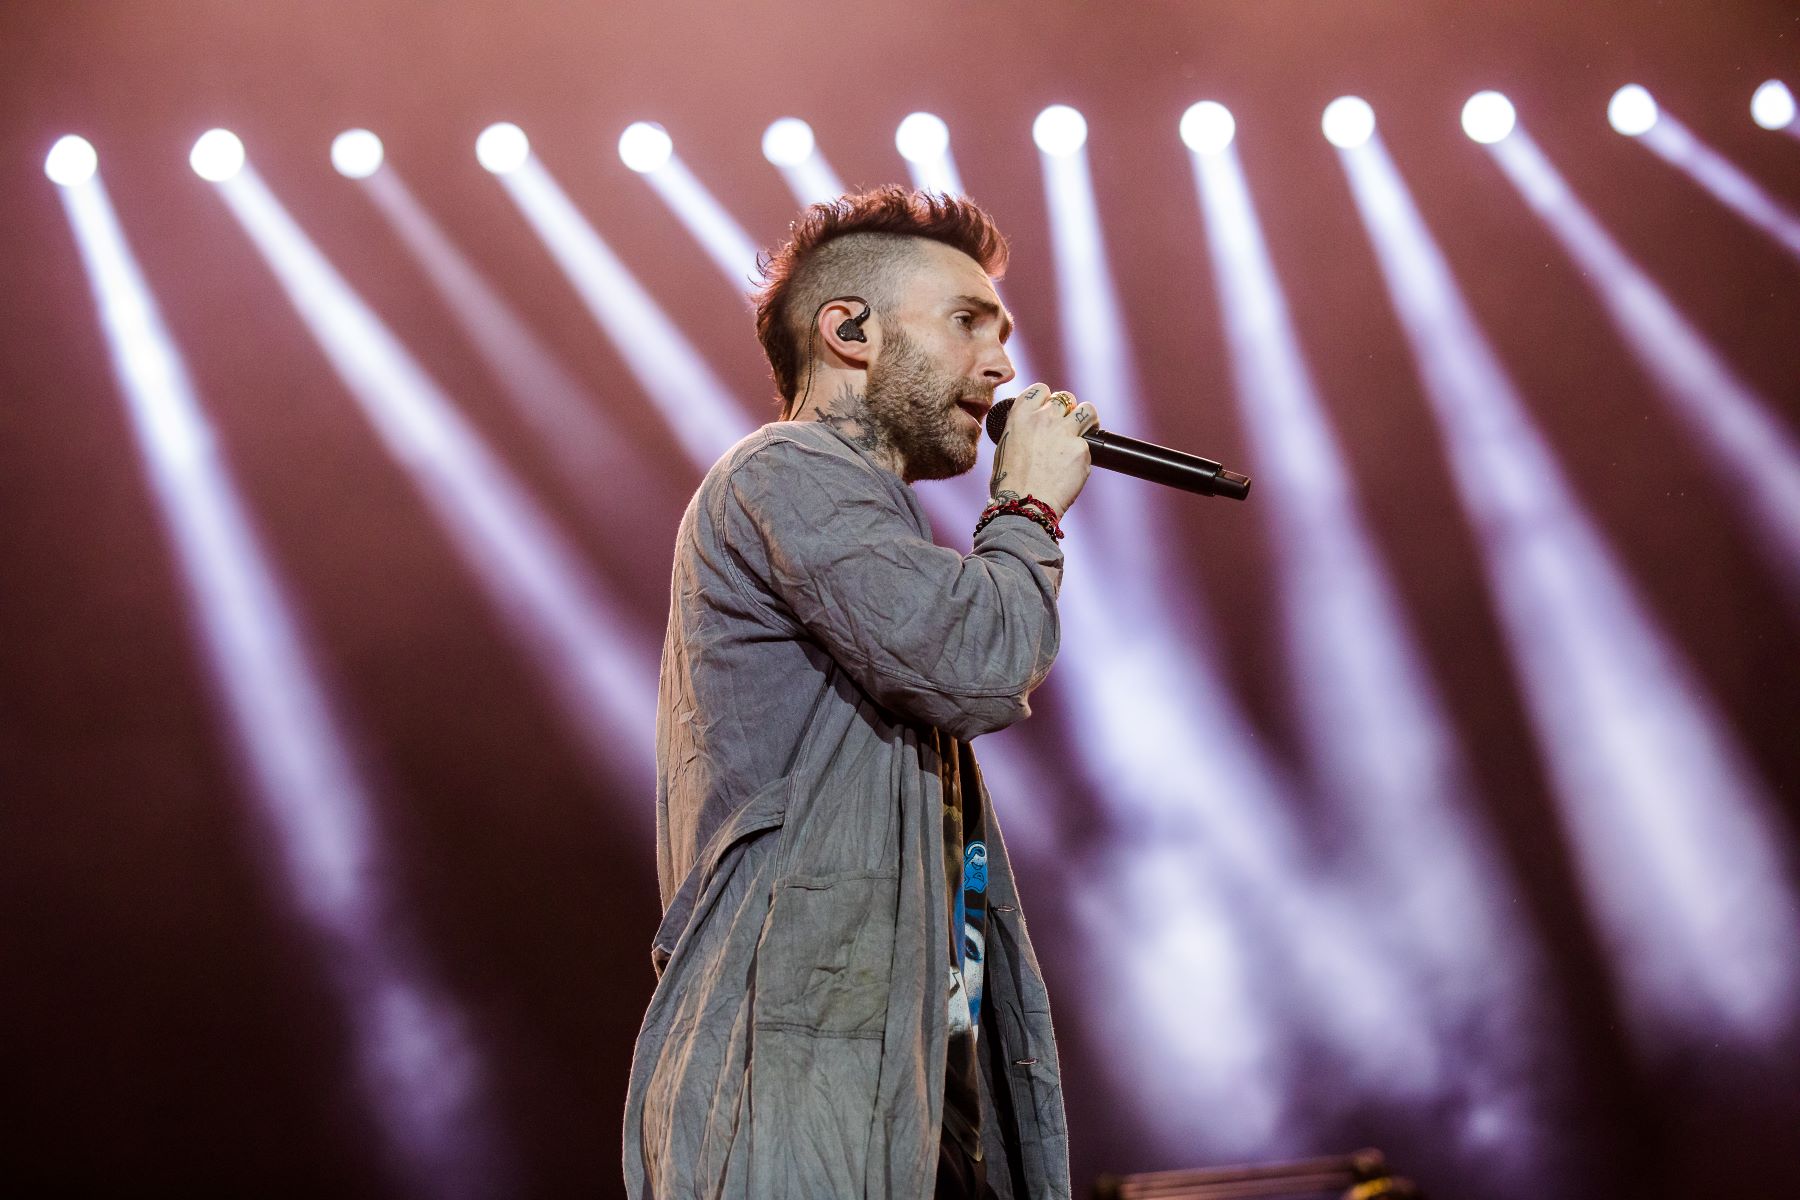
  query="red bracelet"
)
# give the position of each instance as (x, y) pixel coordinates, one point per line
(1029, 507)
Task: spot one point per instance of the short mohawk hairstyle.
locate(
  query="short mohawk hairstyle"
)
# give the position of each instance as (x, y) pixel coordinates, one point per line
(850, 246)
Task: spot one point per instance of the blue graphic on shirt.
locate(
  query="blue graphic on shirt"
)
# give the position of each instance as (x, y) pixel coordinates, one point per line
(971, 916)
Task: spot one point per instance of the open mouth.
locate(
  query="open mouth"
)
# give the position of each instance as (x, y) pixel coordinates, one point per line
(975, 408)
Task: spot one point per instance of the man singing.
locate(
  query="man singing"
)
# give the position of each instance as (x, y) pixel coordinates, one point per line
(847, 1003)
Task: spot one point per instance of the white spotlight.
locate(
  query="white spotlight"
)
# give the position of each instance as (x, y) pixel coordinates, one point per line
(1207, 127)
(1348, 122)
(356, 153)
(645, 146)
(1488, 117)
(1773, 105)
(71, 161)
(502, 148)
(1631, 110)
(1059, 130)
(217, 155)
(788, 142)
(922, 138)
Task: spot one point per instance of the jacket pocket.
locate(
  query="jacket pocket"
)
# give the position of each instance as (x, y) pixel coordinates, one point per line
(825, 961)
(762, 812)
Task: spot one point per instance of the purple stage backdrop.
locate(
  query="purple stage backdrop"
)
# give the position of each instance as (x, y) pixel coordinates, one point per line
(1442, 797)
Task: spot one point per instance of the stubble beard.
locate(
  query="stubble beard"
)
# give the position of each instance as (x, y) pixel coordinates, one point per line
(913, 405)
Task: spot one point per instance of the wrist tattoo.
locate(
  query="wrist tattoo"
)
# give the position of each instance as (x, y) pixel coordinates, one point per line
(999, 475)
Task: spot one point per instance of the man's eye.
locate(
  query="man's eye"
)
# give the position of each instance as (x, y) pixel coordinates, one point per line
(965, 320)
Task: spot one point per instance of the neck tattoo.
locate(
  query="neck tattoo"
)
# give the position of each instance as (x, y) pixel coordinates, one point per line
(849, 415)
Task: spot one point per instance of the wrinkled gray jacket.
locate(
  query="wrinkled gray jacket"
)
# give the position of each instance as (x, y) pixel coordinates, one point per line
(824, 665)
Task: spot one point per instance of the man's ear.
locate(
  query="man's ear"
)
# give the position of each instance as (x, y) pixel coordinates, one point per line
(847, 329)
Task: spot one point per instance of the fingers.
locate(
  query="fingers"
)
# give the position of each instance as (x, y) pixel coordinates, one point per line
(1083, 416)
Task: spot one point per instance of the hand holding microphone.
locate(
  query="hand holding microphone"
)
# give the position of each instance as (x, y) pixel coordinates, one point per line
(1115, 452)
(1040, 449)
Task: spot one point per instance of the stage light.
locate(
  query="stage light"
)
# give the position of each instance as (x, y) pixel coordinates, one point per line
(356, 153)
(788, 142)
(1348, 122)
(809, 176)
(922, 137)
(71, 161)
(1632, 110)
(1059, 130)
(217, 155)
(1207, 127)
(645, 146)
(1488, 117)
(502, 148)
(1772, 106)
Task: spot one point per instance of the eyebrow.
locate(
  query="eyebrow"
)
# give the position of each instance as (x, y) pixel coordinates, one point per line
(987, 307)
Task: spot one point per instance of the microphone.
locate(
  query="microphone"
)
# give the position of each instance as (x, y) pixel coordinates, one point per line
(1158, 464)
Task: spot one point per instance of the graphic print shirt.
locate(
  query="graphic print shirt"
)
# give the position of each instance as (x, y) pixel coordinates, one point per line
(965, 876)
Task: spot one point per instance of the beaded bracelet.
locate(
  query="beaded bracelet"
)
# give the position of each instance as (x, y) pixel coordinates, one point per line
(1029, 507)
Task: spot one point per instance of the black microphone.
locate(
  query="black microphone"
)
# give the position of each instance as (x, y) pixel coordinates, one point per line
(1158, 464)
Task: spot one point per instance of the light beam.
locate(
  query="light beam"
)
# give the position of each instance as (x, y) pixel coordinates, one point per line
(1758, 457)
(717, 231)
(1676, 145)
(1681, 864)
(415, 1059)
(551, 602)
(1378, 739)
(1128, 515)
(695, 404)
(595, 457)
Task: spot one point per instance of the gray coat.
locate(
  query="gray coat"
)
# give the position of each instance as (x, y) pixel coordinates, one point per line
(824, 667)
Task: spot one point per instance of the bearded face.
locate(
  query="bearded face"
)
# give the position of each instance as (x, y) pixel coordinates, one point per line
(916, 408)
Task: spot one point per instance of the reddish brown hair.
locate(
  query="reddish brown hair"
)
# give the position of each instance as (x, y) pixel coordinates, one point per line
(857, 245)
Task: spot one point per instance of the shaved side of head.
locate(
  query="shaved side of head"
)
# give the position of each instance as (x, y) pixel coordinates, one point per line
(866, 244)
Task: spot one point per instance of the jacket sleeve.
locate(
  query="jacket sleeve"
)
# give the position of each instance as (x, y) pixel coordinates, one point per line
(939, 638)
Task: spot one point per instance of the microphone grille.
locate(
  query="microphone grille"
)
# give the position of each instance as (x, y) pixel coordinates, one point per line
(996, 418)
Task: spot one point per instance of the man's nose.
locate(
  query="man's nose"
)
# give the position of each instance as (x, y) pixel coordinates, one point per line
(999, 368)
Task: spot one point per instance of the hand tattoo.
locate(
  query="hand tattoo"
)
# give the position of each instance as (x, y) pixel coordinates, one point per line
(999, 475)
